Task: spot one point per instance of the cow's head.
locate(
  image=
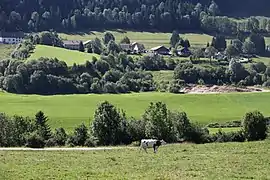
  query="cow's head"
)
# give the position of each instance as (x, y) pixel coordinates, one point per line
(162, 142)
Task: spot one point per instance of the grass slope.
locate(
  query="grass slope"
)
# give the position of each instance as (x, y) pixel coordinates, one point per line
(69, 56)
(6, 50)
(70, 110)
(185, 161)
(147, 38)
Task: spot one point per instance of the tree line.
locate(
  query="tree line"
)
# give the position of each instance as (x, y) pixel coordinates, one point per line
(165, 15)
(110, 126)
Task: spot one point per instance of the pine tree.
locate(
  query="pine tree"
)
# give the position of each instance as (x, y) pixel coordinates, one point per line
(42, 126)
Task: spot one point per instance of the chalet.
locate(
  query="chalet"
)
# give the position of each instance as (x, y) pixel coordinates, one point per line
(162, 50)
(11, 37)
(126, 47)
(86, 43)
(137, 47)
(73, 45)
(184, 52)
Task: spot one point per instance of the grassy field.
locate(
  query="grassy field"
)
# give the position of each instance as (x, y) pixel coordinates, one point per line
(215, 130)
(69, 56)
(148, 39)
(70, 110)
(5, 50)
(159, 76)
(185, 161)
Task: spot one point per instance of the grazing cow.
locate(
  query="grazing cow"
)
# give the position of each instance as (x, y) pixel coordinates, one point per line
(151, 143)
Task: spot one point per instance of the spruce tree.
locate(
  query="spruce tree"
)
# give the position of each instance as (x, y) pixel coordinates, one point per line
(42, 126)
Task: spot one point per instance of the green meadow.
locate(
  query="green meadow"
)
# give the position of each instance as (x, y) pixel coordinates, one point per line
(6, 50)
(249, 160)
(149, 39)
(69, 56)
(69, 111)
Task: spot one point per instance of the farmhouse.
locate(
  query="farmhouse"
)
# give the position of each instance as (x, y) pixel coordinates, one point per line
(73, 45)
(11, 37)
(86, 43)
(160, 50)
(126, 47)
(184, 52)
(137, 47)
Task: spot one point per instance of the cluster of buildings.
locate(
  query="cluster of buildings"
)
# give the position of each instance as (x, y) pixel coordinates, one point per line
(11, 37)
(132, 48)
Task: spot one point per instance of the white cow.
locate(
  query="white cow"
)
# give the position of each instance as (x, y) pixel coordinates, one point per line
(151, 143)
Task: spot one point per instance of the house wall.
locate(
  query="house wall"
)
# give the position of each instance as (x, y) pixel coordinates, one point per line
(10, 40)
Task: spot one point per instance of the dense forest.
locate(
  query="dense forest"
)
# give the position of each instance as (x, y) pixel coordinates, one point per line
(162, 15)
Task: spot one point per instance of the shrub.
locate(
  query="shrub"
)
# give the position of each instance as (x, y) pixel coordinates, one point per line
(221, 136)
(136, 129)
(91, 142)
(197, 134)
(79, 137)
(60, 136)
(50, 142)
(34, 140)
(255, 126)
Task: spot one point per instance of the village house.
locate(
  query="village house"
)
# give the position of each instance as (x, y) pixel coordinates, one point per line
(86, 43)
(184, 52)
(162, 50)
(137, 47)
(126, 47)
(11, 37)
(71, 44)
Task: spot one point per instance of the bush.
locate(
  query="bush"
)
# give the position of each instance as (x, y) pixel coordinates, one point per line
(34, 140)
(91, 142)
(50, 142)
(60, 136)
(197, 134)
(221, 136)
(255, 126)
(79, 137)
(136, 129)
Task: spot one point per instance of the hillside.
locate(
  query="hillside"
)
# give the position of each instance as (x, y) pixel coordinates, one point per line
(70, 110)
(159, 15)
(69, 56)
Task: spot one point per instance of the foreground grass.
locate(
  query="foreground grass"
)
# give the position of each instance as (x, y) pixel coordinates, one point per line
(69, 111)
(69, 56)
(147, 38)
(6, 50)
(185, 161)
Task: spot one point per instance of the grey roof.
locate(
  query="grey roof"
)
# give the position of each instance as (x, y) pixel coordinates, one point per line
(71, 42)
(158, 47)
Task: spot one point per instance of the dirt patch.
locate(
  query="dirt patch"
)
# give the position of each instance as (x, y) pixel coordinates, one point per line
(198, 89)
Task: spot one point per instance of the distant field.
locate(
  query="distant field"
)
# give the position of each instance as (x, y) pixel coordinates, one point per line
(69, 56)
(6, 50)
(148, 39)
(162, 75)
(70, 110)
(215, 130)
(184, 161)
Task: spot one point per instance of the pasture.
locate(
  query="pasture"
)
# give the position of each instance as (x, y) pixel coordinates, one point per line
(68, 111)
(149, 39)
(6, 50)
(69, 56)
(185, 161)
